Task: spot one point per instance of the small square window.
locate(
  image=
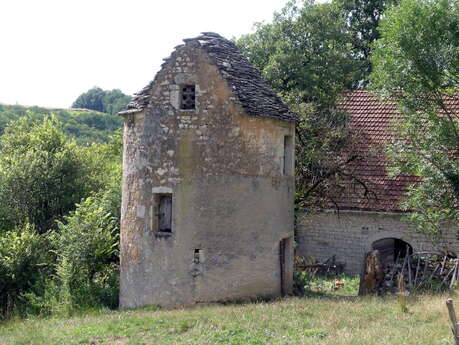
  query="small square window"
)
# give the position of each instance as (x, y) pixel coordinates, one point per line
(188, 97)
(198, 257)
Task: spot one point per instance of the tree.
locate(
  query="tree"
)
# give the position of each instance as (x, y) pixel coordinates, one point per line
(105, 162)
(416, 63)
(363, 17)
(106, 101)
(42, 174)
(306, 56)
(24, 262)
(86, 245)
(91, 99)
(47, 182)
(114, 101)
(304, 53)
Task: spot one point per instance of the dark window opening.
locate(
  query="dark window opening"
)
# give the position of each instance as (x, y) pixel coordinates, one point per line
(392, 249)
(188, 99)
(287, 168)
(165, 213)
(197, 256)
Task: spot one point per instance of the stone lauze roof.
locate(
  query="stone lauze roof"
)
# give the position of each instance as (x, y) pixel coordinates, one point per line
(252, 92)
(371, 119)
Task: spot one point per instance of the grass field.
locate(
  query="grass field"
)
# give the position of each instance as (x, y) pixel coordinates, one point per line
(318, 320)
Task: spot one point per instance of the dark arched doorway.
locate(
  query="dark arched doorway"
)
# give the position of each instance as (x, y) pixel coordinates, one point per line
(391, 249)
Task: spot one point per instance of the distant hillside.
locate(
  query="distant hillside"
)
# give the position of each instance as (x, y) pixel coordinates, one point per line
(86, 126)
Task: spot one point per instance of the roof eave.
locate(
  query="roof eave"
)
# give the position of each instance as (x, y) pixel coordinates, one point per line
(129, 112)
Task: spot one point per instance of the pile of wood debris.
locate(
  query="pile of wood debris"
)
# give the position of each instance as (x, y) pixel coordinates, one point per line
(329, 267)
(420, 270)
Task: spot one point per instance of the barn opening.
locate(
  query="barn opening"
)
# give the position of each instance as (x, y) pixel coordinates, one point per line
(392, 249)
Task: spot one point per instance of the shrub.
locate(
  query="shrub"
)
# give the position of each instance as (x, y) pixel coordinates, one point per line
(42, 174)
(24, 262)
(87, 247)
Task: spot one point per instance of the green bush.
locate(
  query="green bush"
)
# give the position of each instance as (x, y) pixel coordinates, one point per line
(86, 244)
(42, 174)
(24, 264)
(61, 256)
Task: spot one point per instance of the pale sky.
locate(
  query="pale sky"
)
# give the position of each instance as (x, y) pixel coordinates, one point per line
(53, 50)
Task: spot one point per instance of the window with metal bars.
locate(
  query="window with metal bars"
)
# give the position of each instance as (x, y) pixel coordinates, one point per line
(188, 100)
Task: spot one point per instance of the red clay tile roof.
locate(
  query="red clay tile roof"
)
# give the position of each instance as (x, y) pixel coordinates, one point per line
(371, 119)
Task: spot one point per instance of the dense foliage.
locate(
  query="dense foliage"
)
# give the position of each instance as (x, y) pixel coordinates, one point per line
(59, 219)
(84, 126)
(42, 174)
(105, 101)
(87, 250)
(24, 260)
(363, 17)
(306, 54)
(416, 63)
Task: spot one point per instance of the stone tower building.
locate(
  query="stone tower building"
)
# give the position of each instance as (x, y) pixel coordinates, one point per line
(208, 182)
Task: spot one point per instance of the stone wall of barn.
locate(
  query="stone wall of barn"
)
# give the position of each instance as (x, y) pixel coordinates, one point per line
(350, 234)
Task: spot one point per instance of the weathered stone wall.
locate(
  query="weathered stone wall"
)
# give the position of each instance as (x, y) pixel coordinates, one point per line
(350, 234)
(230, 197)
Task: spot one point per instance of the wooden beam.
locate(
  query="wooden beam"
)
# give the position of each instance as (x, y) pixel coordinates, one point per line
(453, 319)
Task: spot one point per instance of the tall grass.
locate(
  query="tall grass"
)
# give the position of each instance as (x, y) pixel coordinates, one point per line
(321, 320)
